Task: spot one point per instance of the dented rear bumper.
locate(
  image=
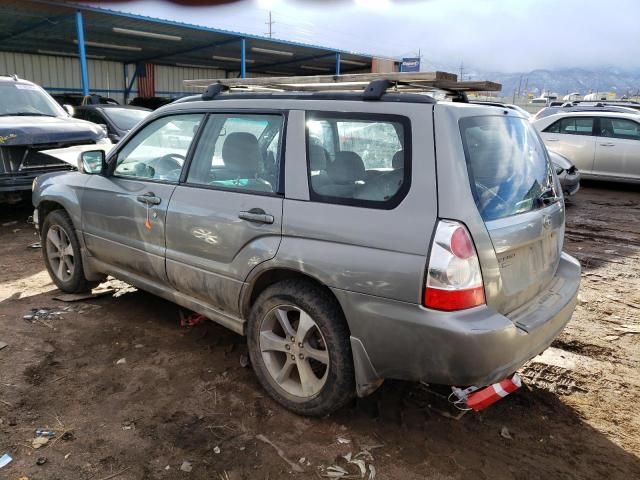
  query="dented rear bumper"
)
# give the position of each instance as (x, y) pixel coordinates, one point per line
(478, 346)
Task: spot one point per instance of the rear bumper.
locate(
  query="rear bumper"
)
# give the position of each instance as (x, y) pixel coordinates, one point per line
(474, 347)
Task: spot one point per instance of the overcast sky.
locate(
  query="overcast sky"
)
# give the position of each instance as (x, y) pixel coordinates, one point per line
(488, 35)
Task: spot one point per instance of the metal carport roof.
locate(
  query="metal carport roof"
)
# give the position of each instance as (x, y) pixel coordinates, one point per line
(48, 27)
(70, 29)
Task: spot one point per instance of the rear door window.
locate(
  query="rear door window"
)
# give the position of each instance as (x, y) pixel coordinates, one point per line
(507, 164)
(619, 128)
(358, 159)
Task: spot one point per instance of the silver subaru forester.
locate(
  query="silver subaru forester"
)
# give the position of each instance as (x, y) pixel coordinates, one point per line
(350, 239)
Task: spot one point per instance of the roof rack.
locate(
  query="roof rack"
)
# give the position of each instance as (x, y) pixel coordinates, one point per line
(633, 102)
(372, 85)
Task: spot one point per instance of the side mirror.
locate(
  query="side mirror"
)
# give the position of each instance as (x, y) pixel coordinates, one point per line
(92, 162)
(70, 110)
(104, 127)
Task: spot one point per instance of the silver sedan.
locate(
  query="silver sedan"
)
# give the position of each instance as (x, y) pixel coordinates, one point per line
(603, 145)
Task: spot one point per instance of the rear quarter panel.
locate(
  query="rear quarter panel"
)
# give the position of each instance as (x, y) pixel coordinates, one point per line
(366, 250)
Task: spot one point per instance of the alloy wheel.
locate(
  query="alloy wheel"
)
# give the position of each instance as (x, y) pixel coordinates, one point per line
(60, 253)
(294, 351)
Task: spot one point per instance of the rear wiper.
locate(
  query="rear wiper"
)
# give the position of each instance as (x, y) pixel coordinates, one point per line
(547, 196)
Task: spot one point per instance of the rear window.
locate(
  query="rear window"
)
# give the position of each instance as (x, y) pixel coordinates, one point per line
(507, 164)
(126, 118)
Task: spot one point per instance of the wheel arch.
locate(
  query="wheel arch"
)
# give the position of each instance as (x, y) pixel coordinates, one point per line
(260, 281)
(45, 207)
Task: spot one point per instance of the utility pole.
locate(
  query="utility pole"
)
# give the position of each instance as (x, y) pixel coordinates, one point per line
(270, 23)
(461, 71)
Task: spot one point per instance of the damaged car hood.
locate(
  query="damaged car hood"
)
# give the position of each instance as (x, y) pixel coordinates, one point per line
(71, 155)
(38, 130)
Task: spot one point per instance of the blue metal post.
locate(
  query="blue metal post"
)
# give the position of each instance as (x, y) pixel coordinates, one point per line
(337, 63)
(82, 54)
(243, 58)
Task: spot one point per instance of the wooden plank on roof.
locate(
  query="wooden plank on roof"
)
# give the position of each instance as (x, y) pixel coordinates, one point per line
(321, 80)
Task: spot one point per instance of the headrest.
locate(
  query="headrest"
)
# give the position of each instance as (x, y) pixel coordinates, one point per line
(317, 158)
(397, 161)
(240, 153)
(346, 168)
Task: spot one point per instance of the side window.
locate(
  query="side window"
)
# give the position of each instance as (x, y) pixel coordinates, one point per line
(320, 133)
(619, 128)
(237, 151)
(157, 152)
(358, 159)
(95, 117)
(576, 126)
(553, 128)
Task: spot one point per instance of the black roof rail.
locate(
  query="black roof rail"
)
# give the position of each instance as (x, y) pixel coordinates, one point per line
(213, 90)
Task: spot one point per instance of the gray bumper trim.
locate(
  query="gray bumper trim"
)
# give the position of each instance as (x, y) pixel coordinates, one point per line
(473, 347)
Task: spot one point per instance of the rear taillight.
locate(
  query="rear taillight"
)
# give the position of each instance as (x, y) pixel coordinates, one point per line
(454, 280)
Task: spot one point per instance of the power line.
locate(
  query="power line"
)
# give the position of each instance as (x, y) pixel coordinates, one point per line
(270, 23)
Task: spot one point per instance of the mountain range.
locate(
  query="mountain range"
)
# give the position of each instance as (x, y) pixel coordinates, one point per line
(564, 81)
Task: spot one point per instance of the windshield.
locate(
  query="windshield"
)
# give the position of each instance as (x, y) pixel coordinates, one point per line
(507, 164)
(25, 99)
(125, 118)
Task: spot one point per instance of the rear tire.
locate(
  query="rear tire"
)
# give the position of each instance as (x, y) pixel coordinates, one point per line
(62, 254)
(299, 348)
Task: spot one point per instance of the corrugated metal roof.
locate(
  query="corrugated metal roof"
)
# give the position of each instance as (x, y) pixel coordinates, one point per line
(41, 26)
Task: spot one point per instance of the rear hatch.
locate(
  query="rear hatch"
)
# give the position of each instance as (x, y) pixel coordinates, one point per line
(519, 235)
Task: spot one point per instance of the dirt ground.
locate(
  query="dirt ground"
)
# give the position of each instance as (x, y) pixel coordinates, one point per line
(182, 395)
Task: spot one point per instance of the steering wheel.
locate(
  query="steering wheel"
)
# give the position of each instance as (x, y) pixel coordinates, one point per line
(168, 163)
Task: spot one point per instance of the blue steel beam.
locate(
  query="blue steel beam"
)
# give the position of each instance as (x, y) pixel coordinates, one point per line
(84, 75)
(243, 58)
(337, 63)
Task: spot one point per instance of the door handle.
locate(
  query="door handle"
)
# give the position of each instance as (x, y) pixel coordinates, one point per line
(552, 139)
(607, 144)
(149, 198)
(256, 215)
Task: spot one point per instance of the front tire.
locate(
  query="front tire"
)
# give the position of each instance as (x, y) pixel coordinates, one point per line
(299, 348)
(62, 254)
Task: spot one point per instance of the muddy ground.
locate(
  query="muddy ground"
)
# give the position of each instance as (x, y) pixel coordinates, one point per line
(183, 396)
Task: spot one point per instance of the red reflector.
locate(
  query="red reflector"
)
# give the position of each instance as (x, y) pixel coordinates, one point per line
(461, 245)
(450, 300)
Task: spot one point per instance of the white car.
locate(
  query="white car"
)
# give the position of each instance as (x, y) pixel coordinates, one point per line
(602, 145)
